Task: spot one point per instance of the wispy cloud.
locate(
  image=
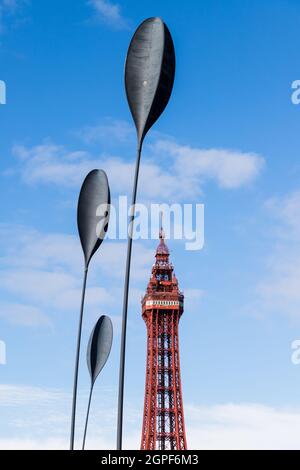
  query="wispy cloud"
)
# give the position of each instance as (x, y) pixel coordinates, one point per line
(36, 418)
(242, 426)
(8, 10)
(229, 168)
(182, 173)
(109, 12)
(286, 210)
(24, 315)
(278, 291)
(49, 163)
(18, 395)
(117, 130)
(42, 273)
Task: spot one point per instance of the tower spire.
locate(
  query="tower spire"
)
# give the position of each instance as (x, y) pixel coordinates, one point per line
(162, 251)
(161, 230)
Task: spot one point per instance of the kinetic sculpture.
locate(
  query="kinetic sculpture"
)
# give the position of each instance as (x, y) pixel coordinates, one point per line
(149, 78)
(97, 354)
(92, 218)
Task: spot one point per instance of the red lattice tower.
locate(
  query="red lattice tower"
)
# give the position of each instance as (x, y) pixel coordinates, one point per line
(162, 307)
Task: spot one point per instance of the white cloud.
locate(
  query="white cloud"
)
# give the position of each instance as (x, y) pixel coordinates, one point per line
(278, 289)
(25, 315)
(174, 171)
(28, 248)
(41, 275)
(49, 163)
(229, 168)
(109, 12)
(242, 426)
(113, 260)
(286, 211)
(19, 395)
(37, 418)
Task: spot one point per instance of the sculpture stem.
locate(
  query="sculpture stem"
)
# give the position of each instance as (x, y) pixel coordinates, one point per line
(87, 416)
(77, 362)
(125, 302)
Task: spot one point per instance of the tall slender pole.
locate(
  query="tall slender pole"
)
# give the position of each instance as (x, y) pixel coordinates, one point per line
(87, 416)
(77, 362)
(125, 302)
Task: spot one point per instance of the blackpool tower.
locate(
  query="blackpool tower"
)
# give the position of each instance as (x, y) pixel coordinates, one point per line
(162, 307)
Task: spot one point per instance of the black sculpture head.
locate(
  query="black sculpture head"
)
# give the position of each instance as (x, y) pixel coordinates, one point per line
(149, 73)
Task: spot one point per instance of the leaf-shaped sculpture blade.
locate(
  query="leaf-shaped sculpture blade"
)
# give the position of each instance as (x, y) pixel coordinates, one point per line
(93, 212)
(149, 79)
(99, 346)
(149, 73)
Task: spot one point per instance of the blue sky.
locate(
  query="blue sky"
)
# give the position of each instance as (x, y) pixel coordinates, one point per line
(230, 115)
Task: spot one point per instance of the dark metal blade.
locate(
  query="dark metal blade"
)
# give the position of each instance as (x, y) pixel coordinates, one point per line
(93, 222)
(149, 73)
(99, 346)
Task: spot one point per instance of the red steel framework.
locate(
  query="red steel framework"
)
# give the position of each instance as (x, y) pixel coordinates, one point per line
(162, 307)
